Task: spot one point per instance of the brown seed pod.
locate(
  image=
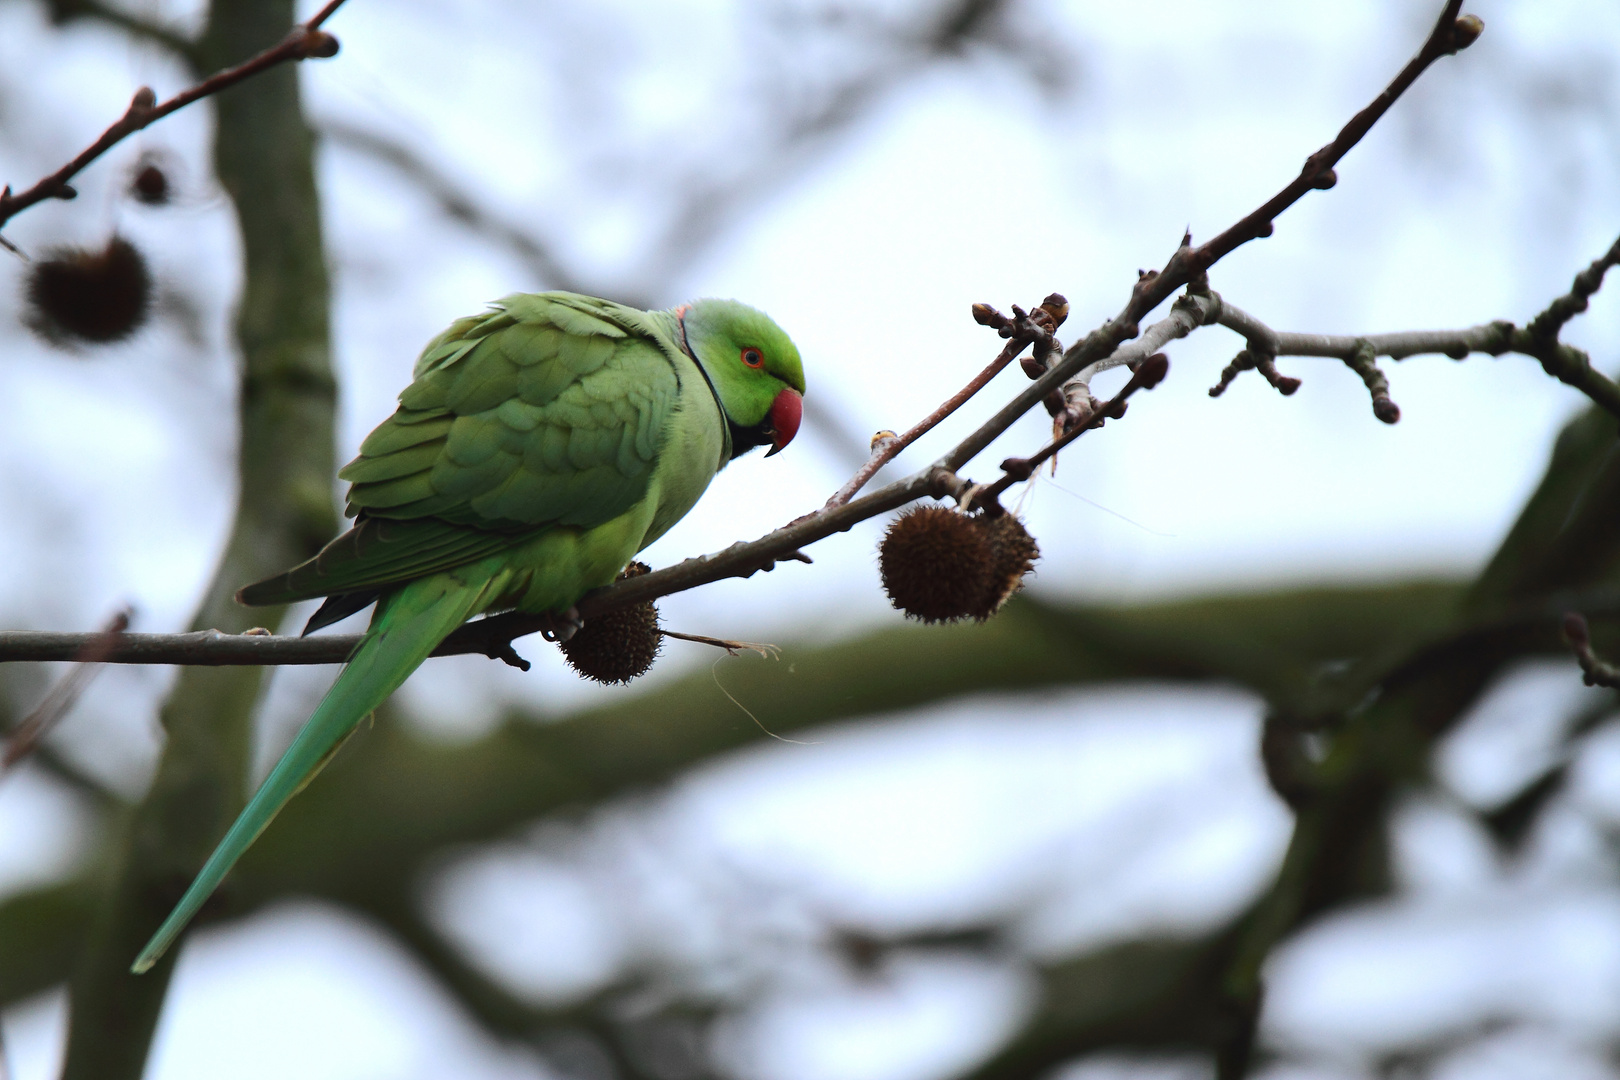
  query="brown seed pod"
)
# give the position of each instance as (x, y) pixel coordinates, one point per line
(935, 564)
(1012, 555)
(97, 296)
(150, 185)
(619, 645)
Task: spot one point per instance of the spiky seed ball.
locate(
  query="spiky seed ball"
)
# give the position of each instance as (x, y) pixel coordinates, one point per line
(150, 185)
(98, 296)
(618, 645)
(935, 564)
(1012, 555)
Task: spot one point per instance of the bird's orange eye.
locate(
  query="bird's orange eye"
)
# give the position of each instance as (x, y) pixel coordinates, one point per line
(753, 357)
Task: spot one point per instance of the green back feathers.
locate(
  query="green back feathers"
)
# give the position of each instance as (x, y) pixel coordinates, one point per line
(549, 409)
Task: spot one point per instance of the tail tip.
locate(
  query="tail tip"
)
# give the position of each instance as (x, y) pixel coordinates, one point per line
(152, 953)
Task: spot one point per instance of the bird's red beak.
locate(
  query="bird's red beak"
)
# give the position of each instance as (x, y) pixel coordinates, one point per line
(786, 412)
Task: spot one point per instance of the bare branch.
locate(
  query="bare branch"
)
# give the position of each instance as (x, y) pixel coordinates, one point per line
(1549, 323)
(1147, 374)
(763, 648)
(1594, 671)
(304, 42)
(65, 11)
(490, 636)
(1538, 340)
(1449, 35)
(37, 724)
(1021, 331)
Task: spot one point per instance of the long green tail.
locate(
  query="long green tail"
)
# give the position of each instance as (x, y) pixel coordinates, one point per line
(410, 624)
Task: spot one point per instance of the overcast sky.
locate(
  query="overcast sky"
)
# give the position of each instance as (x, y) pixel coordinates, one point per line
(1477, 198)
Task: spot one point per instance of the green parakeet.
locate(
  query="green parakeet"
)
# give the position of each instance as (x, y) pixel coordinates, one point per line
(539, 447)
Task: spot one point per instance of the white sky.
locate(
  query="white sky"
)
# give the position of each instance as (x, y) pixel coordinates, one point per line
(967, 185)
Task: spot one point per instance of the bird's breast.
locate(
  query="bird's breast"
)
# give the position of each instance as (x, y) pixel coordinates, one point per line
(693, 446)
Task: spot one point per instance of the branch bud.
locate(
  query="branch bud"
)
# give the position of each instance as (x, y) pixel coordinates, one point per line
(1151, 372)
(318, 44)
(1575, 631)
(1057, 306)
(1465, 31)
(1018, 468)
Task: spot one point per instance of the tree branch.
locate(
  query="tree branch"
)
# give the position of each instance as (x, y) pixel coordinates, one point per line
(1594, 671)
(263, 156)
(66, 11)
(1148, 374)
(303, 42)
(25, 738)
(1449, 35)
(1538, 340)
(1022, 331)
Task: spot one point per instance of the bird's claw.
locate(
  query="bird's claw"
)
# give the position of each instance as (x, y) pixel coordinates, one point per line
(563, 626)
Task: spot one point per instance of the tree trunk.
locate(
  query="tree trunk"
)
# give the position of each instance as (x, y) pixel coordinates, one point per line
(263, 155)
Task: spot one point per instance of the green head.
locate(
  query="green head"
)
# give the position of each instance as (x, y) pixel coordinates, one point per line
(753, 367)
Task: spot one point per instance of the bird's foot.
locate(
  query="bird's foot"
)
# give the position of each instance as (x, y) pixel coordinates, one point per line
(563, 626)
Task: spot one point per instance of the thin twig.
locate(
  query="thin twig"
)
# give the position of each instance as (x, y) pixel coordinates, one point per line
(67, 10)
(886, 450)
(1025, 330)
(1449, 35)
(1549, 323)
(1148, 374)
(1594, 671)
(1538, 340)
(37, 724)
(768, 651)
(305, 41)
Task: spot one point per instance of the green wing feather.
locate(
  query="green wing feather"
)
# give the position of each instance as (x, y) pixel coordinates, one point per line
(379, 552)
(549, 410)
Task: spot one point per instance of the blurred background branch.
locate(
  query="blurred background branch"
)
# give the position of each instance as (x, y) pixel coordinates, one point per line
(301, 43)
